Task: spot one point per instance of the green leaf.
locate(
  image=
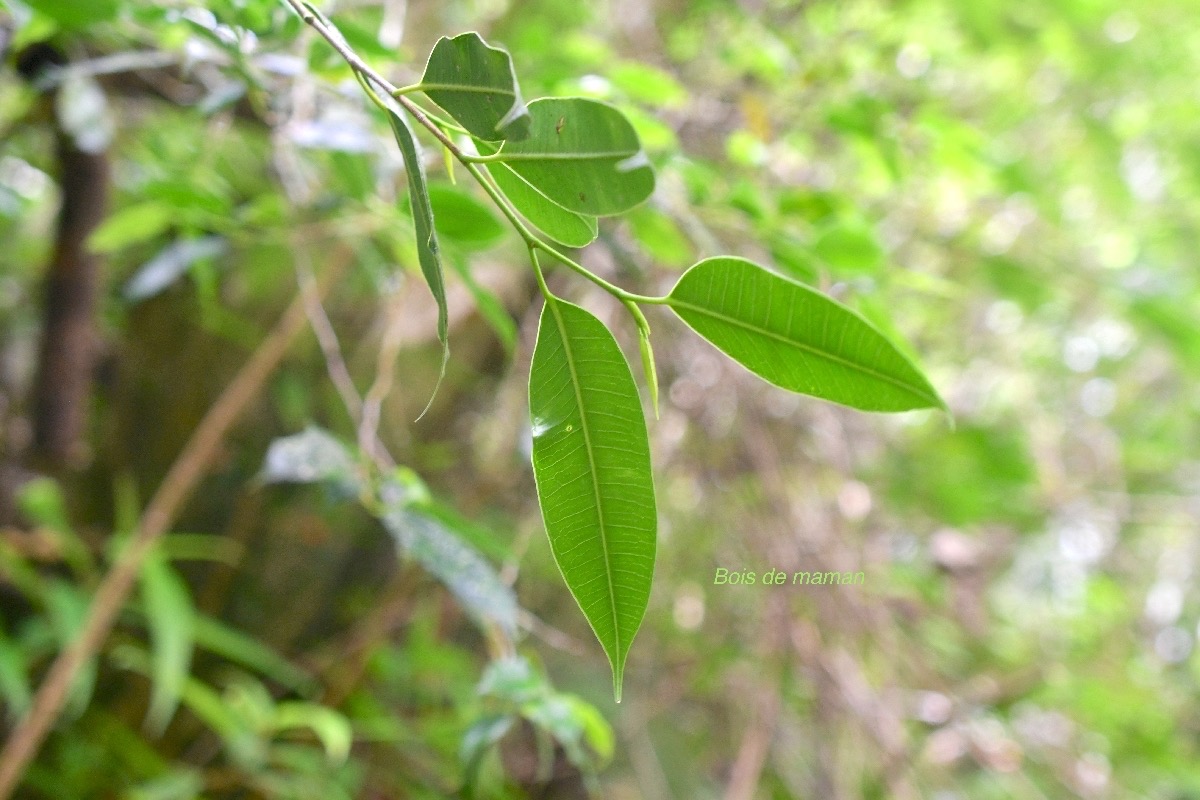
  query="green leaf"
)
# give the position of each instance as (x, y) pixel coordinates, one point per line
(427, 245)
(475, 83)
(131, 225)
(75, 15)
(170, 264)
(67, 608)
(648, 367)
(564, 227)
(170, 613)
(311, 456)
(597, 732)
(463, 219)
(42, 501)
(179, 784)
(490, 307)
(511, 678)
(230, 643)
(797, 338)
(661, 237)
(483, 734)
(850, 249)
(591, 462)
(332, 728)
(447, 557)
(15, 692)
(648, 84)
(583, 155)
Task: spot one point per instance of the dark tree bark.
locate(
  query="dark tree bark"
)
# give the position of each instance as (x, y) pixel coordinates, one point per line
(68, 349)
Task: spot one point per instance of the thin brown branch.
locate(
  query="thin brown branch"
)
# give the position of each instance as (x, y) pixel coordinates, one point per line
(327, 338)
(381, 387)
(181, 480)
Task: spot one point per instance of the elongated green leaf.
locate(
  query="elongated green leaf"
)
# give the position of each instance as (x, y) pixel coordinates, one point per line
(850, 249)
(427, 244)
(475, 83)
(171, 264)
(311, 456)
(797, 338)
(170, 613)
(481, 737)
(648, 367)
(178, 784)
(75, 15)
(591, 462)
(67, 607)
(202, 700)
(451, 560)
(217, 637)
(564, 227)
(583, 155)
(332, 728)
(131, 225)
(15, 693)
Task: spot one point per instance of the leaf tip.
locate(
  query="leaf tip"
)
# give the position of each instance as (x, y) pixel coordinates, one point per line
(436, 386)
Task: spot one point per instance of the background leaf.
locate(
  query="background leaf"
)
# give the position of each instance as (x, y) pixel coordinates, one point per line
(171, 263)
(462, 219)
(15, 691)
(131, 225)
(850, 249)
(241, 648)
(331, 727)
(797, 338)
(67, 608)
(311, 456)
(591, 461)
(72, 14)
(475, 83)
(583, 155)
(455, 563)
(171, 616)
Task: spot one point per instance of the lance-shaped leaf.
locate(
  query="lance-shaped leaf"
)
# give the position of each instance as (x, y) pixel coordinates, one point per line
(313, 455)
(170, 614)
(475, 83)
(564, 227)
(431, 537)
(452, 561)
(427, 244)
(591, 462)
(797, 338)
(583, 155)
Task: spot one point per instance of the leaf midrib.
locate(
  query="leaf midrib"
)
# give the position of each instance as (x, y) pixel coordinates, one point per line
(464, 87)
(503, 157)
(896, 382)
(587, 446)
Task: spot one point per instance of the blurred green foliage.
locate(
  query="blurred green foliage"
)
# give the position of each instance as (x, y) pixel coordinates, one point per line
(1010, 187)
